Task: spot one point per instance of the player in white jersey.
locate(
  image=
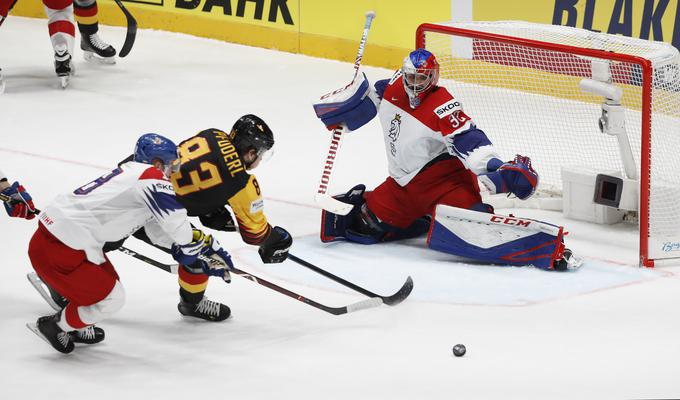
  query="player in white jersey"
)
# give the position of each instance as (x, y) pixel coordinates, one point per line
(18, 203)
(436, 156)
(67, 249)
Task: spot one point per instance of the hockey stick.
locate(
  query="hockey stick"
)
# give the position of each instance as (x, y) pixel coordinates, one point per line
(360, 305)
(392, 300)
(322, 199)
(131, 30)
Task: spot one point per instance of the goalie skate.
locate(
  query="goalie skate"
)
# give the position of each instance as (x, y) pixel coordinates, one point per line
(96, 50)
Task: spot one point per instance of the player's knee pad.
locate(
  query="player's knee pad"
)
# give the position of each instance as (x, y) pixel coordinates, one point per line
(496, 239)
(102, 309)
(419, 227)
(114, 301)
(366, 228)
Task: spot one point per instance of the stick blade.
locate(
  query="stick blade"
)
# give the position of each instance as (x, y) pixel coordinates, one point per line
(332, 205)
(401, 294)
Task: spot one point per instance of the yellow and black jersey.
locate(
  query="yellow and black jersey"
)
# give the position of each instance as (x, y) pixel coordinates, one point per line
(212, 175)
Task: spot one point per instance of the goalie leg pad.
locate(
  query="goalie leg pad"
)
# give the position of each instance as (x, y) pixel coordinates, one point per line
(496, 239)
(334, 226)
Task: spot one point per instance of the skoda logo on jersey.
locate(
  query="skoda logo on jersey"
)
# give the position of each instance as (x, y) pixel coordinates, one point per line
(446, 108)
(395, 126)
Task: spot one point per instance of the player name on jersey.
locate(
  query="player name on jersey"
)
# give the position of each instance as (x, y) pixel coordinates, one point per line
(229, 154)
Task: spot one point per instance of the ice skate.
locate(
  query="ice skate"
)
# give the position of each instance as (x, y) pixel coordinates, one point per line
(206, 309)
(47, 329)
(89, 335)
(63, 66)
(96, 50)
(54, 299)
(568, 262)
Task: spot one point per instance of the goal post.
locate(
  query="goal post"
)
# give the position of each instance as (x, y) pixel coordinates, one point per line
(573, 99)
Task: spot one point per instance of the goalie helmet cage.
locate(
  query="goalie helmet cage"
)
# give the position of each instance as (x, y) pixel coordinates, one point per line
(519, 81)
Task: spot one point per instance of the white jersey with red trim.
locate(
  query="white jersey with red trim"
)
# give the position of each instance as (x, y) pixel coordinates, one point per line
(114, 206)
(413, 138)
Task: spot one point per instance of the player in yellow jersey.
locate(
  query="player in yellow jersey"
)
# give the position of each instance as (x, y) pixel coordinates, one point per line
(214, 175)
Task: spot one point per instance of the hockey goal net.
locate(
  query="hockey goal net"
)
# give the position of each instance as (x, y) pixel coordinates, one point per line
(520, 82)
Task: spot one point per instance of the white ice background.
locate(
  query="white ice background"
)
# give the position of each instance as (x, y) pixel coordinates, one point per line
(610, 330)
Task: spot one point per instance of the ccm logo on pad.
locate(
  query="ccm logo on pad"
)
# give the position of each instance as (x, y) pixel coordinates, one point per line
(500, 219)
(447, 108)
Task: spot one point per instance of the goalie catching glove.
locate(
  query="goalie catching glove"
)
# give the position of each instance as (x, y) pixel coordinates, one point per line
(205, 250)
(517, 177)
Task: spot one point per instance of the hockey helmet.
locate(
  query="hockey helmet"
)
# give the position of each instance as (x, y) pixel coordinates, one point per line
(251, 132)
(420, 72)
(151, 146)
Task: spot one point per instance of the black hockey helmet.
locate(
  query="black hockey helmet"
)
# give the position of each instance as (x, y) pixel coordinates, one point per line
(251, 132)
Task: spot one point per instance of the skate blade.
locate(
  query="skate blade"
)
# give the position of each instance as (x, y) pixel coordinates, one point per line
(94, 58)
(33, 327)
(64, 81)
(38, 284)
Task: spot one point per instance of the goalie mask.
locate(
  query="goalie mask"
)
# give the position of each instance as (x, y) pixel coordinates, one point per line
(251, 132)
(420, 75)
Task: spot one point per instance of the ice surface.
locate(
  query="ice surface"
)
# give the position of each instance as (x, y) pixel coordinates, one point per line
(608, 331)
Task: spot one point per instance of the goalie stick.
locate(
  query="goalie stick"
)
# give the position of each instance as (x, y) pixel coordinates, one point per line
(322, 199)
(131, 30)
(360, 305)
(392, 300)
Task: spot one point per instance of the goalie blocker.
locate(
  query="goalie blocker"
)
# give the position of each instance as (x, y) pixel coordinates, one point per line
(500, 239)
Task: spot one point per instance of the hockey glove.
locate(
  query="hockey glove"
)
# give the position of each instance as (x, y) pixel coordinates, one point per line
(215, 261)
(517, 177)
(352, 106)
(187, 254)
(219, 220)
(275, 248)
(20, 203)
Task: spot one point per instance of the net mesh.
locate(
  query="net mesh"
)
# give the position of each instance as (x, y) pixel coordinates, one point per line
(528, 101)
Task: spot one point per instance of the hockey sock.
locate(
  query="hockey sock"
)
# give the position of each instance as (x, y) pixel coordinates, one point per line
(191, 285)
(86, 16)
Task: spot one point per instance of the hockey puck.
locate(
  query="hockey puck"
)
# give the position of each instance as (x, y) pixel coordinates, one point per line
(459, 350)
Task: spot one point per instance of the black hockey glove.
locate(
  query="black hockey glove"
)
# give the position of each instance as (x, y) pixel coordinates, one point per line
(219, 220)
(275, 248)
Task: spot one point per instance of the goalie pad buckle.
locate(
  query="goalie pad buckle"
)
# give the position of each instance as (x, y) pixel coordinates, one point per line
(496, 239)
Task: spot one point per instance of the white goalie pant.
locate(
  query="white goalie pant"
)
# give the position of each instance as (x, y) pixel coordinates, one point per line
(494, 238)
